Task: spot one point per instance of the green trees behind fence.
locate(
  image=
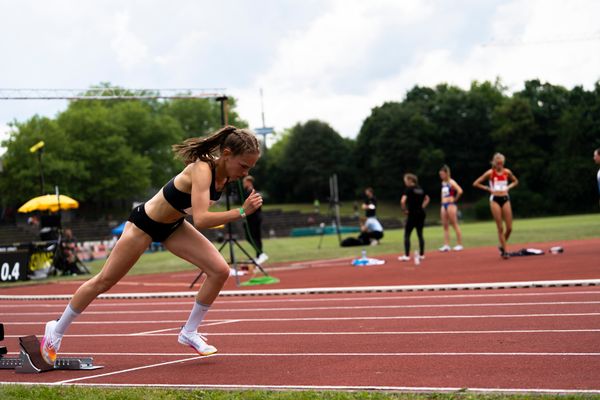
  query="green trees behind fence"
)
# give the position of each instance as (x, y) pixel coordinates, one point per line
(102, 151)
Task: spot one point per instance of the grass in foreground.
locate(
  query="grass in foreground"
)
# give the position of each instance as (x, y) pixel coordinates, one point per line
(14, 392)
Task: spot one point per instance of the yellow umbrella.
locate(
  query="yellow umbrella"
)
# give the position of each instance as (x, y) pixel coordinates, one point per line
(49, 202)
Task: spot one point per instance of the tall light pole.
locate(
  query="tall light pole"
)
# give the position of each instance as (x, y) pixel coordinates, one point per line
(39, 149)
(264, 131)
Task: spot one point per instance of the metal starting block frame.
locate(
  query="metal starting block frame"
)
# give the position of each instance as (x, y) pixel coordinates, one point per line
(30, 360)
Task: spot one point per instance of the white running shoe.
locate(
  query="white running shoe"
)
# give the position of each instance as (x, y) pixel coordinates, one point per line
(50, 343)
(261, 258)
(422, 257)
(196, 342)
(444, 248)
(458, 247)
(404, 258)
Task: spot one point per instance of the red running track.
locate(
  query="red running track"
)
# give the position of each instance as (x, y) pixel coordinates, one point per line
(479, 265)
(537, 339)
(545, 339)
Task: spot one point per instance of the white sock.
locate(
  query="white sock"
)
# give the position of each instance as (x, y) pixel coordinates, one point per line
(65, 320)
(196, 317)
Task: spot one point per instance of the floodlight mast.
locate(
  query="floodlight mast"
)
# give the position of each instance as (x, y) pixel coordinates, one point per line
(110, 93)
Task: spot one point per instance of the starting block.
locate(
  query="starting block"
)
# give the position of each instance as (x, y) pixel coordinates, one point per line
(30, 360)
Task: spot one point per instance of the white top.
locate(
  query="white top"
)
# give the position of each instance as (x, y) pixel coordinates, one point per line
(373, 225)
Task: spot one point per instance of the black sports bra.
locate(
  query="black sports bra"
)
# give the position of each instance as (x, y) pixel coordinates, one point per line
(182, 200)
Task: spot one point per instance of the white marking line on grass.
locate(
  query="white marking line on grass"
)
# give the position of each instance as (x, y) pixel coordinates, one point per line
(320, 388)
(347, 333)
(327, 308)
(178, 328)
(131, 369)
(229, 300)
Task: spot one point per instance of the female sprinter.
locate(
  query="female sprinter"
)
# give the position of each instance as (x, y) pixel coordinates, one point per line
(498, 179)
(211, 162)
(451, 192)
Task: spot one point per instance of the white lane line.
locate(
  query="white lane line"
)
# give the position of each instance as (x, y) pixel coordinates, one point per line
(323, 387)
(354, 318)
(148, 333)
(229, 321)
(364, 333)
(131, 369)
(304, 299)
(127, 322)
(326, 290)
(178, 328)
(327, 308)
(355, 354)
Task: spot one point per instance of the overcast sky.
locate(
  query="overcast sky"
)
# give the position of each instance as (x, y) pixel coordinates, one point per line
(328, 59)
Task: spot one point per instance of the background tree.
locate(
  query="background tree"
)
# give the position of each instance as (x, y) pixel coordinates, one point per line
(300, 166)
(106, 152)
(391, 142)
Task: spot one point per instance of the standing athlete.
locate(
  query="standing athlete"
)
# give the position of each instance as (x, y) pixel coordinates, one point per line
(211, 162)
(500, 181)
(370, 203)
(451, 192)
(597, 160)
(413, 203)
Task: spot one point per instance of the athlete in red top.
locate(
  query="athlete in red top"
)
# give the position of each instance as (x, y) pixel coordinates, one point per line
(500, 181)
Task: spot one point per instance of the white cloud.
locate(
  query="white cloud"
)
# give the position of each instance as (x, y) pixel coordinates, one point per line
(303, 80)
(328, 59)
(526, 40)
(129, 48)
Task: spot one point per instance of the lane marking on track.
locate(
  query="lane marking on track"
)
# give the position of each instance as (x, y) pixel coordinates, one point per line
(323, 387)
(132, 369)
(328, 290)
(326, 308)
(320, 333)
(178, 328)
(340, 354)
(304, 299)
(354, 354)
(353, 318)
(147, 333)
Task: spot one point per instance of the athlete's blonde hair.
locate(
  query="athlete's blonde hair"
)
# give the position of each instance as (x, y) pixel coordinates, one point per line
(412, 177)
(498, 156)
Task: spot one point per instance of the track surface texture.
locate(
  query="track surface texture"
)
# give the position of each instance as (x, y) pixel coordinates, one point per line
(536, 339)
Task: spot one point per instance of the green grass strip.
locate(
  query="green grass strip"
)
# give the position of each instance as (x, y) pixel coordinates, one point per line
(17, 392)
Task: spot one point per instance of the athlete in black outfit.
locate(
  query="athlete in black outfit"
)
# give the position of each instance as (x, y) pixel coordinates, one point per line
(210, 163)
(370, 203)
(254, 233)
(413, 202)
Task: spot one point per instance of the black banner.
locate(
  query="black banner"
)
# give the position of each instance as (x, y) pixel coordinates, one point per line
(14, 263)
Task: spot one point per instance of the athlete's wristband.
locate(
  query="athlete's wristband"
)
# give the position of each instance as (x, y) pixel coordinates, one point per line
(242, 212)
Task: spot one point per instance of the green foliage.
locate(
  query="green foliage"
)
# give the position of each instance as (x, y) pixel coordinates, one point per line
(547, 133)
(102, 152)
(299, 166)
(118, 150)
